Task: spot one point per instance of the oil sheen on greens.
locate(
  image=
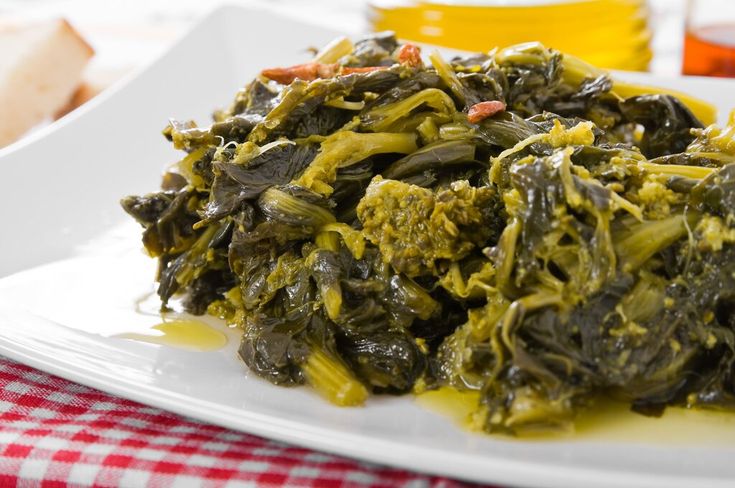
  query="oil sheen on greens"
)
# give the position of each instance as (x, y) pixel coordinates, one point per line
(369, 238)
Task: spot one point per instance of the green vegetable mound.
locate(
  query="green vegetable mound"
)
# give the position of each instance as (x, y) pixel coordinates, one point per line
(369, 238)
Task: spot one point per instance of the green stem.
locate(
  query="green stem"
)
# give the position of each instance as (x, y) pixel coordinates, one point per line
(333, 380)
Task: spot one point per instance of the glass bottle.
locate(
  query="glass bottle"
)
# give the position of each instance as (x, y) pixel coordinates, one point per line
(709, 38)
(607, 33)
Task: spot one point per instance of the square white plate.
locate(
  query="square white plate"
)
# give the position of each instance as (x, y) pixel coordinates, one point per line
(60, 204)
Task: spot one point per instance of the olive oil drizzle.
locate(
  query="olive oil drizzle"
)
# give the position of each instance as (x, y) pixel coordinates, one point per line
(188, 334)
(606, 420)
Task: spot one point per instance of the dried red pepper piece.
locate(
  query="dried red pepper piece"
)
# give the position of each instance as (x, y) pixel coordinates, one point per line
(306, 71)
(410, 54)
(481, 111)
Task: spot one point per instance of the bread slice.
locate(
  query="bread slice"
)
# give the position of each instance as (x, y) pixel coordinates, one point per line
(94, 81)
(40, 68)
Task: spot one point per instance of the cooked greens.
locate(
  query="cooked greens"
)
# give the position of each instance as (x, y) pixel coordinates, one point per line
(514, 223)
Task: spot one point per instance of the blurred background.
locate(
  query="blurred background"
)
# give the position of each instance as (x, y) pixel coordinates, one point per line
(665, 37)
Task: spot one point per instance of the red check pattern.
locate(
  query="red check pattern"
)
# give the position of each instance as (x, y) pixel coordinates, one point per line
(55, 433)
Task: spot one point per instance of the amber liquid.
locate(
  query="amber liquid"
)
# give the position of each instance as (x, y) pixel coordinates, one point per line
(710, 51)
(606, 33)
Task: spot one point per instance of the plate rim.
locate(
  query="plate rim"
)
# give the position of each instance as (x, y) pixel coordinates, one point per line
(421, 459)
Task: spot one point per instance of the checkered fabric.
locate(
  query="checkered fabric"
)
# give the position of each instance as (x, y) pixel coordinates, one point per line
(56, 433)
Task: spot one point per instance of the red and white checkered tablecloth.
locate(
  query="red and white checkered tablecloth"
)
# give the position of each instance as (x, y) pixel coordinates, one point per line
(56, 433)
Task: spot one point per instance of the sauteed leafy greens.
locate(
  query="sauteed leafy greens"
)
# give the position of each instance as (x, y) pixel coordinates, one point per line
(515, 223)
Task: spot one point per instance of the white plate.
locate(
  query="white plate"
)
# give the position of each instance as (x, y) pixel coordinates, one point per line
(59, 203)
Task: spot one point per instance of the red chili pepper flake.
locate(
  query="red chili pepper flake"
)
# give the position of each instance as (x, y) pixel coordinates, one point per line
(481, 111)
(347, 70)
(410, 54)
(306, 72)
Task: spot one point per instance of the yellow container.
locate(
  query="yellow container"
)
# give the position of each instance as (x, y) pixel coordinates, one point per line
(608, 33)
